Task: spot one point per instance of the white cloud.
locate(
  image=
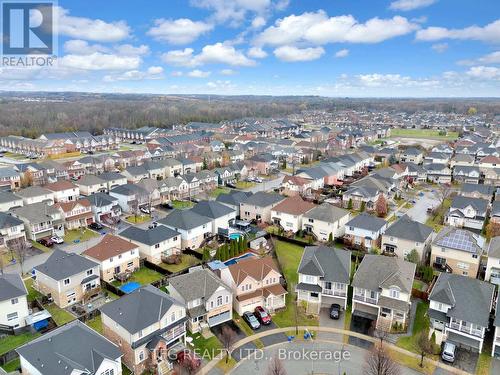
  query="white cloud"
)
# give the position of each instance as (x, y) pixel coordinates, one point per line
(484, 72)
(318, 28)
(82, 47)
(440, 47)
(488, 33)
(228, 72)
(198, 73)
(90, 29)
(257, 53)
(258, 22)
(218, 53)
(176, 73)
(180, 31)
(293, 54)
(100, 61)
(342, 53)
(406, 5)
(130, 50)
(153, 72)
(491, 58)
(221, 85)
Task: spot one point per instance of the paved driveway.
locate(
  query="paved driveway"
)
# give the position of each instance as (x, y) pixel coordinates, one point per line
(419, 211)
(361, 325)
(242, 351)
(267, 185)
(465, 360)
(326, 321)
(272, 339)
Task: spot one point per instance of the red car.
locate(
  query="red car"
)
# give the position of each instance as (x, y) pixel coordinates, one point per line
(47, 242)
(262, 315)
(185, 358)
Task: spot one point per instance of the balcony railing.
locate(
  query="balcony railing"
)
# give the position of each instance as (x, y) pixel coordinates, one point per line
(174, 332)
(373, 301)
(334, 292)
(466, 329)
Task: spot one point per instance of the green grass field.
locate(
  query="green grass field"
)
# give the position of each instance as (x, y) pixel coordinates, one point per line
(422, 133)
(142, 276)
(79, 235)
(186, 262)
(420, 324)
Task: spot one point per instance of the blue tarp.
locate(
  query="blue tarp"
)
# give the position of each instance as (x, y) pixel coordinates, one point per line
(130, 287)
(41, 324)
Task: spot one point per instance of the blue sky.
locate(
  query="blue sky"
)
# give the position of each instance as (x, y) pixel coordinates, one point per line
(356, 48)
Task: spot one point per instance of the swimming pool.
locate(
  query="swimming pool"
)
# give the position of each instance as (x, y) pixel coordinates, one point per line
(230, 262)
(235, 236)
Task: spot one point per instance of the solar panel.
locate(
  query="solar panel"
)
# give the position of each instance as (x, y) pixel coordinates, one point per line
(459, 239)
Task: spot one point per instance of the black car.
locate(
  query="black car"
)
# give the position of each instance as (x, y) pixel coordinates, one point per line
(95, 226)
(334, 311)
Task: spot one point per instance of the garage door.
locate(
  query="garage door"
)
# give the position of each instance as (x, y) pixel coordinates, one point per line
(364, 311)
(463, 341)
(219, 318)
(496, 353)
(248, 307)
(326, 301)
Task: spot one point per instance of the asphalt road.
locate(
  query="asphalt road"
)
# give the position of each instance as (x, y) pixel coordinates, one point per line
(419, 211)
(267, 185)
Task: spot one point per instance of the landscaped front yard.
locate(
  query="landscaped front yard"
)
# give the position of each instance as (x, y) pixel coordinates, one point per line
(420, 324)
(206, 348)
(289, 257)
(186, 262)
(80, 235)
(138, 219)
(142, 276)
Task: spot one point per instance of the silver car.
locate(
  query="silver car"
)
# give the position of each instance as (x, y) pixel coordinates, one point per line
(448, 353)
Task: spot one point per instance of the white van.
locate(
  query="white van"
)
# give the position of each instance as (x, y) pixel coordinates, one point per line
(448, 353)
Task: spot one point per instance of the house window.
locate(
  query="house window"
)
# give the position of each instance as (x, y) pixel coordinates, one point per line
(157, 246)
(90, 272)
(141, 356)
(108, 372)
(14, 300)
(394, 293)
(172, 317)
(328, 285)
(140, 334)
(309, 279)
(219, 300)
(175, 238)
(66, 281)
(227, 299)
(12, 316)
(474, 256)
(132, 252)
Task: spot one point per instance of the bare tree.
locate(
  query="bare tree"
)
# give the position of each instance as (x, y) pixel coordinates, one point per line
(379, 333)
(379, 362)
(227, 338)
(20, 251)
(276, 367)
(425, 346)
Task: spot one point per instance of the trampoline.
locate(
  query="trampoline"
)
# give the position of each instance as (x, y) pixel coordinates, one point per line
(130, 287)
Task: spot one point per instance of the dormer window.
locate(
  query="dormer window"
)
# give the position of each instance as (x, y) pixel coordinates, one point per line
(394, 293)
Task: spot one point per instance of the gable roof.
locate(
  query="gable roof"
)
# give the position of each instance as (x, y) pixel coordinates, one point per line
(379, 271)
(148, 236)
(331, 264)
(255, 267)
(73, 346)
(459, 239)
(409, 229)
(327, 212)
(139, 309)
(61, 265)
(234, 197)
(60, 185)
(263, 199)
(461, 202)
(33, 191)
(200, 283)
(212, 209)
(184, 219)
(8, 221)
(101, 199)
(368, 222)
(11, 286)
(294, 206)
(471, 299)
(108, 247)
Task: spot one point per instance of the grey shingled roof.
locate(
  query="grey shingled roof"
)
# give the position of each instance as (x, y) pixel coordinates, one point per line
(234, 197)
(494, 247)
(326, 212)
(101, 199)
(331, 264)
(149, 236)
(201, 283)
(7, 196)
(11, 286)
(368, 222)
(184, 219)
(409, 229)
(263, 199)
(377, 271)
(36, 212)
(480, 188)
(61, 265)
(74, 346)
(110, 176)
(212, 209)
(461, 202)
(89, 180)
(470, 298)
(8, 221)
(33, 191)
(139, 309)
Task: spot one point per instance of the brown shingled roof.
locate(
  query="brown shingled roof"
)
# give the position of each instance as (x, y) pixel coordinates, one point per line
(294, 206)
(256, 268)
(296, 180)
(109, 246)
(60, 185)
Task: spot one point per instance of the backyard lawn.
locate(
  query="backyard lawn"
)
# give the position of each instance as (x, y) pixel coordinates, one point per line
(244, 184)
(186, 262)
(142, 276)
(436, 220)
(182, 205)
(422, 133)
(11, 342)
(420, 324)
(138, 219)
(12, 365)
(289, 256)
(218, 191)
(78, 235)
(59, 315)
(32, 293)
(95, 324)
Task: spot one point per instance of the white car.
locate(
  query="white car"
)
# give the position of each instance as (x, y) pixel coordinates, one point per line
(145, 210)
(448, 353)
(57, 239)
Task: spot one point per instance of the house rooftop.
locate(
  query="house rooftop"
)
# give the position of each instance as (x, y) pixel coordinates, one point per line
(11, 286)
(108, 247)
(294, 206)
(200, 283)
(459, 239)
(148, 236)
(263, 199)
(409, 229)
(368, 222)
(61, 265)
(212, 209)
(331, 264)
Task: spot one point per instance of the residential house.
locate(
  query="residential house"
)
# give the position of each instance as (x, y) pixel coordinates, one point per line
(11, 231)
(259, 205)
(295, 185)
(289, 212)
(466, 174)
(73, 348)
(438, 173)
(491, 176)
(324, 277)
(233, 199)
(173, 188)
(459, 310)
(415, 173)
(477, 191)
(9, 200)
(131, 197)
(462, 160)
(194, 228)
(77, 214)
(155, 243)
(90, 184)
(405, 235)
(36, 194)
(458, 251)
(467, 212)
(145, 324)
(13, 302)
(411, 155)
(325, 220)
(492, 273)
(67, 278)
(495, 350)
(261, 164)
(105, 208)
(113, 179)
(382, 290)
(221, 215)
(255, 282)
(135, 174)
(208, 301)
(64, 191)
(115, 256)
(40, 220)
(359, 197)
(437, 157)
(365, 231)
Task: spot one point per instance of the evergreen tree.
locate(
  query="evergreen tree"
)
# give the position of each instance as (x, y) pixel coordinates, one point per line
(225, 252)
(206, 255)
(349, 204)
(330, 237)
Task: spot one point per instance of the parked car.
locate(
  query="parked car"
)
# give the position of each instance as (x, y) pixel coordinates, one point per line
(145, 210)
(448, 353)
(258, 180)
(335, 311)
(95, 226)
(262, 315)
(230, 185)
(188, 359)
(168, 206)
(154, 224)
(56, 239)
(47, 242)
(251, 320)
